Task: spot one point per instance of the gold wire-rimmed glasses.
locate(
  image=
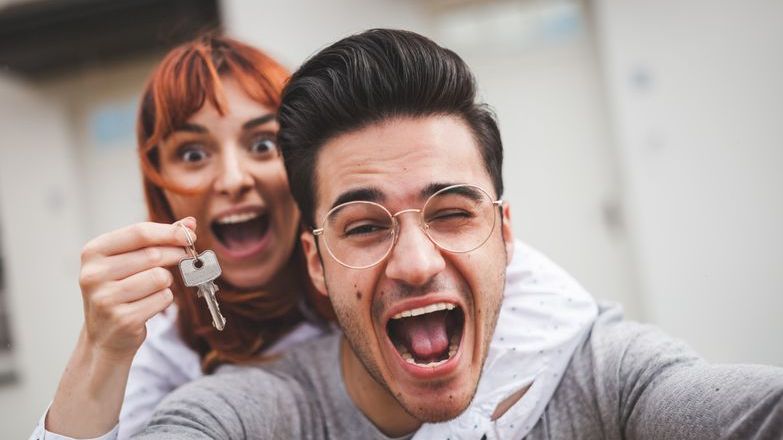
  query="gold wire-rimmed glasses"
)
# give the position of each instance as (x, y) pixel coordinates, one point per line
(458, 219)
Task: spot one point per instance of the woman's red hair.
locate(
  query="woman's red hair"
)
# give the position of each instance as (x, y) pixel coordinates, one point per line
(187, 78)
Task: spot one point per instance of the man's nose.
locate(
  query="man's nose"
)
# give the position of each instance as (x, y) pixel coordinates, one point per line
(415, 259)
(233, 177)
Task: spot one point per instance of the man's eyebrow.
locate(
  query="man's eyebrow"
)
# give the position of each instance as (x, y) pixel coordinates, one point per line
(261, 120)
(363, 194)
(432, 188)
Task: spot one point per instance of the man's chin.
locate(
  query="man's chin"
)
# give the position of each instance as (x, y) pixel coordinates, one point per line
(437, 400)
(436, 408)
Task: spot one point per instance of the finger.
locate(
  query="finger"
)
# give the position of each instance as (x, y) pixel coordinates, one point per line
(147, 307)
(139, 285)
(137, 236)
(118, 267)
(190, 222)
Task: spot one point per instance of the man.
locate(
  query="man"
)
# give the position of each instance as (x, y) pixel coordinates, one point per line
(398, 171)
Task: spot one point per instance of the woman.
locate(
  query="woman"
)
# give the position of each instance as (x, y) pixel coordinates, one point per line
(206, 133)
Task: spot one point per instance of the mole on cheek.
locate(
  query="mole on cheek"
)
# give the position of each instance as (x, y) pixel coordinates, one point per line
(358, 295)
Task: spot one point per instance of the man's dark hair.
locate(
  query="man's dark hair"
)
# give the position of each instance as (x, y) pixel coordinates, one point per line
(367, 78)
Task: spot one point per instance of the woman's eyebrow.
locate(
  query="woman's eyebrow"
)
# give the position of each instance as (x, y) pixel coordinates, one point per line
(258, 121)
(194, 128)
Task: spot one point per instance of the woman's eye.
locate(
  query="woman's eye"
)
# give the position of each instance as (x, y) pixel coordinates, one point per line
(192, 154)
(263, 146)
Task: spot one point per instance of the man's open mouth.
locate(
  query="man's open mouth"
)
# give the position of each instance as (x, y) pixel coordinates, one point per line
(427, 336)
(241, 233)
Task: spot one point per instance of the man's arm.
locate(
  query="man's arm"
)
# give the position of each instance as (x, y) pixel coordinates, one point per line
(665, 390)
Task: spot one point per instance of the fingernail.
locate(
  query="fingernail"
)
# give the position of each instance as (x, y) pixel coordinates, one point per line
(188, 222)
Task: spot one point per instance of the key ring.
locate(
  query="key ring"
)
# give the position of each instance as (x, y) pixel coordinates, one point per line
(191, 247)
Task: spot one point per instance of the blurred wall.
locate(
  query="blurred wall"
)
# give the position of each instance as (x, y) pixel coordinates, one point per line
(40, 225)
(68, 173)
(295, 29)
(697, 100)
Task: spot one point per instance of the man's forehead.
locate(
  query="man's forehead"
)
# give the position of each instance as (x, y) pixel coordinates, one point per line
(408, 158)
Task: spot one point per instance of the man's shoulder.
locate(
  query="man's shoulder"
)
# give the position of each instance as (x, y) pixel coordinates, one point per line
(233, 387)
(614, 341)
(276, 377)
(240, 402)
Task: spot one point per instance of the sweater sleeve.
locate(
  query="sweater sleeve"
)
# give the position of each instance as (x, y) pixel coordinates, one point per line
(662, 389)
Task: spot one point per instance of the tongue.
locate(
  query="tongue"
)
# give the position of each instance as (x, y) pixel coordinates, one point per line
(425, 335)
(242, 236)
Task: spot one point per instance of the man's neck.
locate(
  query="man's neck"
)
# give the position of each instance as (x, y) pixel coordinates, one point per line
(372, 399)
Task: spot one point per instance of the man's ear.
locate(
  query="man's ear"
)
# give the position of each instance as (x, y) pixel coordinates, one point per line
(507, 231)
(314, 266)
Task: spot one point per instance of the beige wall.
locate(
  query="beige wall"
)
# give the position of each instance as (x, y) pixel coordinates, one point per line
(697, 101)
(59, 186)
(41, 227)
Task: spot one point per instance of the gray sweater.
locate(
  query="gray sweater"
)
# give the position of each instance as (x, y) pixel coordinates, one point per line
(627, 380)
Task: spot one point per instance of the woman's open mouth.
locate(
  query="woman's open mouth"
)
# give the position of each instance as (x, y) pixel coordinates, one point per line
(429, 336)
(241, 234)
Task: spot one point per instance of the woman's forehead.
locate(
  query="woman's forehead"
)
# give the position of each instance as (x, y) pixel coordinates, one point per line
(237, 107)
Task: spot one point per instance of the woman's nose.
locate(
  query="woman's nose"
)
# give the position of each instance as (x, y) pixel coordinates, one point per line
(234, 178)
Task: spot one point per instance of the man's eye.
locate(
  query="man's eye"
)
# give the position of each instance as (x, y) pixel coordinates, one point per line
(450, 214)
(365, 229)
(192, 153)
(263, 146)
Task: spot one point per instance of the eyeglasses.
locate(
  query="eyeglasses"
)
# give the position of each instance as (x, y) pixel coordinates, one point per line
(458, 219)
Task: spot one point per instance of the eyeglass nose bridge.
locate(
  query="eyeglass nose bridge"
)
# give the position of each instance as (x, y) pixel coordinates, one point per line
(422, 225)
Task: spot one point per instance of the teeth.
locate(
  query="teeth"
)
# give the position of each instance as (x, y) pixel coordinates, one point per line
(426, 309)
(453, 346)
(237, 218)
(431, 364)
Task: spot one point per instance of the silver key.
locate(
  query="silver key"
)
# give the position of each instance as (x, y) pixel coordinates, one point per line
(201, 271)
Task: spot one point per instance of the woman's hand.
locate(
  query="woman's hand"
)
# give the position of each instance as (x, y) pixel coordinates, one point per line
(124, 282)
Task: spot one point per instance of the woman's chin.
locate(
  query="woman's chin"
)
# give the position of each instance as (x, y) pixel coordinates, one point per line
(245, 278)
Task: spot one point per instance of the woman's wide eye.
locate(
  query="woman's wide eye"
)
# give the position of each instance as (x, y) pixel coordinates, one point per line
(192, 153)
(263, 146)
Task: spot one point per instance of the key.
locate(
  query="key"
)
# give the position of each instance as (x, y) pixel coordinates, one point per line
(200, 272)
